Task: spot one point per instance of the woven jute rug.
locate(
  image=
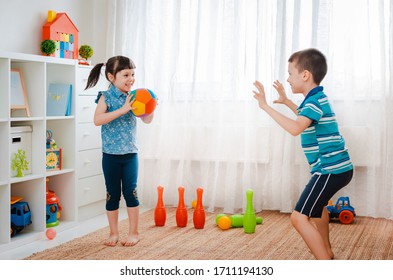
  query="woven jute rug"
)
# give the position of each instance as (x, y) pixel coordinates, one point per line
(275, 239)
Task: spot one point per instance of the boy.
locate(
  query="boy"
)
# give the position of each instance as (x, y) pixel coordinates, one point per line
(322, 143)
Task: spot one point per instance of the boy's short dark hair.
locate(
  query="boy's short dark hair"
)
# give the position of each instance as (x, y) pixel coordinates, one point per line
(312, 60)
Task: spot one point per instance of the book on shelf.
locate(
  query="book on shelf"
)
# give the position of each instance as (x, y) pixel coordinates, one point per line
(58, 100)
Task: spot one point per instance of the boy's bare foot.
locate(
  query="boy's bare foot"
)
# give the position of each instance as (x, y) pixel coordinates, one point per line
(331, 254)
(112, 240)
(329, 250)
(131, 240)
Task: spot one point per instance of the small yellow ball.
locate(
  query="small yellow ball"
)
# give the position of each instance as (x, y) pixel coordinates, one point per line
(194, 203)
(224, 222)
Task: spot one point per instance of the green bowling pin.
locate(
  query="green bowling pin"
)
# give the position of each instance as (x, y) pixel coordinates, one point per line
(237, 220)
(249, 218)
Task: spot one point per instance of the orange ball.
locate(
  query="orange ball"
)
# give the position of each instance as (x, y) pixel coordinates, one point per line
(50, 233)
(194, 203)
(219, 216)
(224, 222)
(145, 102)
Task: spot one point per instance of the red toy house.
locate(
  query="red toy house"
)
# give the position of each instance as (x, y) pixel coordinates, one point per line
(63, 32)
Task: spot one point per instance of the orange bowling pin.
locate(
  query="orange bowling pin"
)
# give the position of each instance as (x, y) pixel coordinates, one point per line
(199, 212)
(181, 211)
(160, 212)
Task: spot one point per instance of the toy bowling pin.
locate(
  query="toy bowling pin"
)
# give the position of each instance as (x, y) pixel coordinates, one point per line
(249, 217)
(181, 211)
(237, 220)
(199, 212)
(160, 212)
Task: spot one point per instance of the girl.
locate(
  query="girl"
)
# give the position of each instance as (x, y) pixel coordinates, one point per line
(119, 149)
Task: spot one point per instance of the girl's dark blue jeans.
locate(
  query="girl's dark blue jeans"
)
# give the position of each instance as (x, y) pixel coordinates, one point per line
(121, 176)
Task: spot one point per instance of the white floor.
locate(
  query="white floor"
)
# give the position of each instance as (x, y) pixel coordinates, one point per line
(67, 235)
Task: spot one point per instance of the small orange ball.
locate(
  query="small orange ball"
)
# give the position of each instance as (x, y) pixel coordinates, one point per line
(194, 203)
(219, 216)
(224, 222)
(50, 233)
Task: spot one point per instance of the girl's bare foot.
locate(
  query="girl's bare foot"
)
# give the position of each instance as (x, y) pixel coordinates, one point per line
(131, 240)
(112, 240)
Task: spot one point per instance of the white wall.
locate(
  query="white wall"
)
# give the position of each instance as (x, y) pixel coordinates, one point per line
(21, 23)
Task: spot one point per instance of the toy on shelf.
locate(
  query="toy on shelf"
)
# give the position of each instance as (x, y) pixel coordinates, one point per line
(19, 162)
(53, 207)
(85, 51)
(19, 100)
(234, 221)
(20, 215)
(145, 102)
(48, 47)
(343, 211)
(54, 156)
(63, 32)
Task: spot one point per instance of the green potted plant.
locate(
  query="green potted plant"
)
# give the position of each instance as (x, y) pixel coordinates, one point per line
(19, 162)
(48, 47)
(85, 51)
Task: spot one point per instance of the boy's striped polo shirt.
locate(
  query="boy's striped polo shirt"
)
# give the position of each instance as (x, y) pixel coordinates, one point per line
(322, 142)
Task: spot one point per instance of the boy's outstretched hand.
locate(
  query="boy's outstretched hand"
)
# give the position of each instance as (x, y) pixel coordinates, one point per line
(282, 97)
(260, 95)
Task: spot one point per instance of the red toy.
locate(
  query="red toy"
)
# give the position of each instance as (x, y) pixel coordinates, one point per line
(53, 207)
(60, 29)
(199, 211)
(160, 211)
(181, 211)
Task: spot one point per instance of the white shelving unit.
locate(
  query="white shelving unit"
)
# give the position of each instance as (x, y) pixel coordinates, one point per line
(38, 73)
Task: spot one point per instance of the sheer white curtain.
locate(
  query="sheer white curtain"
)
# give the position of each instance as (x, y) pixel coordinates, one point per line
(201, 58)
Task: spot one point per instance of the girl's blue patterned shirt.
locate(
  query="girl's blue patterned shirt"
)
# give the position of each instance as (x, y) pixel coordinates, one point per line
(118, 136)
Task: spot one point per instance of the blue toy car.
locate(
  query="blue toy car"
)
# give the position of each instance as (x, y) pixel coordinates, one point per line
(20, 216)
(342, 210)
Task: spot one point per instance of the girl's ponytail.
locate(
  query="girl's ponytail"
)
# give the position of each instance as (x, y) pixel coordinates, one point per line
(94, 76)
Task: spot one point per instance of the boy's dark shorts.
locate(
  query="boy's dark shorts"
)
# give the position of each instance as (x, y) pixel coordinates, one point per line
(319, 190)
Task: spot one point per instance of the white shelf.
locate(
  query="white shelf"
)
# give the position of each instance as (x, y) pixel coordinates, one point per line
(23, 57)
(25, 178)
(58, 172)
(38, 71)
